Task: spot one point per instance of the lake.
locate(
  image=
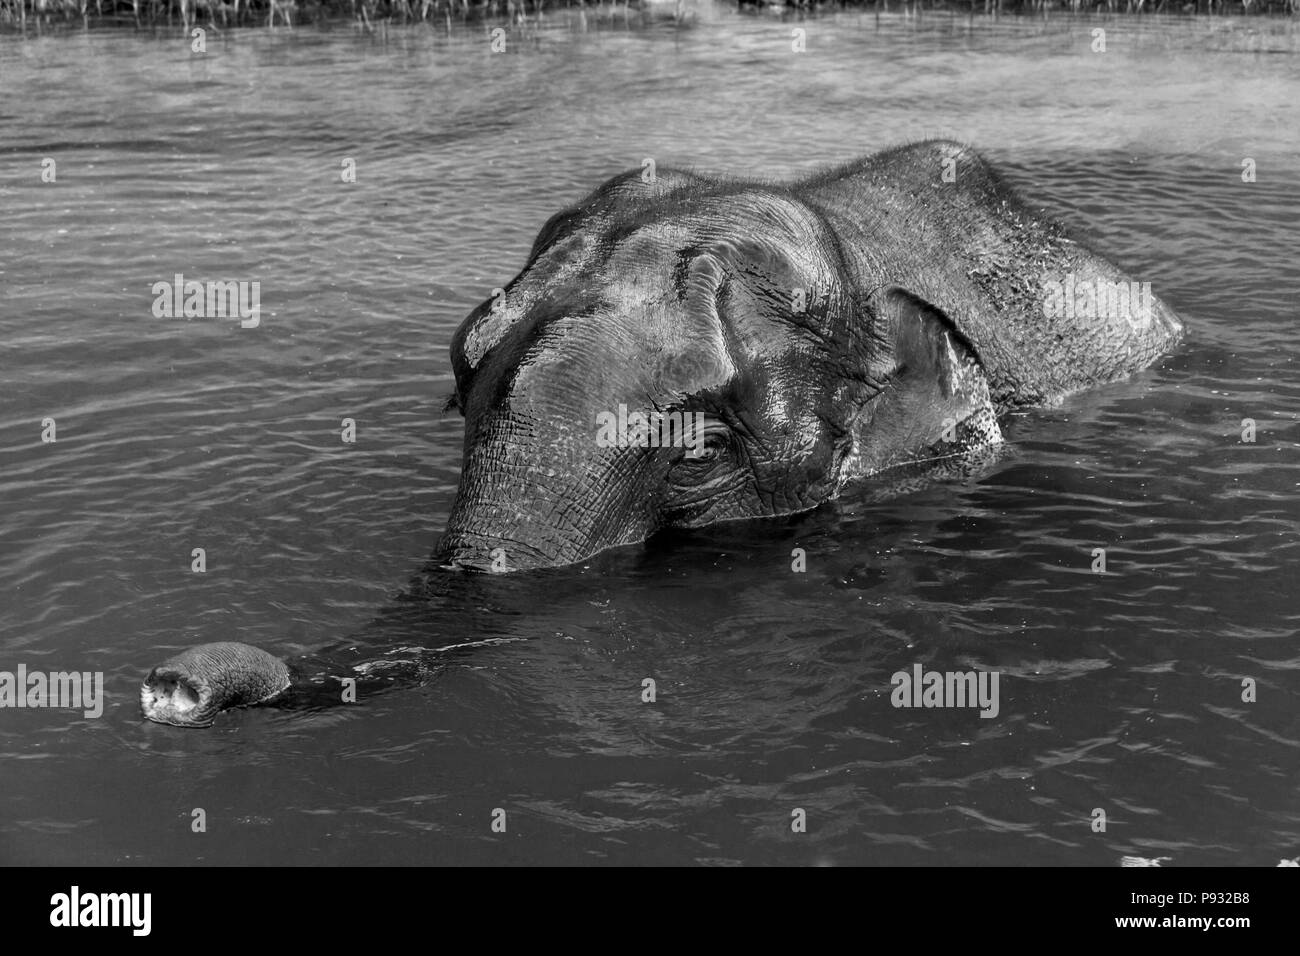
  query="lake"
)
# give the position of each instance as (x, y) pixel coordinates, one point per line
(1119, 691)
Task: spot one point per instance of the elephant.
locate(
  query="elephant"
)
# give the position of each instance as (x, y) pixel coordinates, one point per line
(681, 350)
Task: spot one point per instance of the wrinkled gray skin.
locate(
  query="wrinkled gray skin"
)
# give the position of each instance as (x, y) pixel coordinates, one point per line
(924, 321)
(190, 689)
(924, 304)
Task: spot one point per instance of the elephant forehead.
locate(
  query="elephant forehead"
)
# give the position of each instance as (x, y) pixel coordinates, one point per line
(755, 224)
(768, 218)
(558, 274)
(644, 343)
(631, 307)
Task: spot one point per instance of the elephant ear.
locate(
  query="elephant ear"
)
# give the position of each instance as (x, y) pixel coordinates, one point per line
(927, 344)
(937, 398)
(607, 207)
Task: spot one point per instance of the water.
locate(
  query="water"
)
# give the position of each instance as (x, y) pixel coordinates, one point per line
(1120, 691)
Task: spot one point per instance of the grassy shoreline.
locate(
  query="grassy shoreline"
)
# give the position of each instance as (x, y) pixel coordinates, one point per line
(23, 13)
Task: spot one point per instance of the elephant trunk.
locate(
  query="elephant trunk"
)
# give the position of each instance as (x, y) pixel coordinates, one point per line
(524, 505)
(190, 689)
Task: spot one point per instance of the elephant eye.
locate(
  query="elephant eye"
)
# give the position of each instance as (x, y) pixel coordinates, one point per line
(715, 443)
(706, 450)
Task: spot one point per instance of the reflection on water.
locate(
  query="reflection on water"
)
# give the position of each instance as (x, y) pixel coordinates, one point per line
(1120, 691)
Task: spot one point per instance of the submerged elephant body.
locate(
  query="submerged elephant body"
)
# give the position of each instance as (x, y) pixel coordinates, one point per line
(822, 331)
(692, 350)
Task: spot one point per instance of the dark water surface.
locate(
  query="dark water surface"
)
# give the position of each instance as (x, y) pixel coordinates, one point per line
(1120, 691)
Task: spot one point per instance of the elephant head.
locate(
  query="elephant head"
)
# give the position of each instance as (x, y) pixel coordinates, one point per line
(727, 308)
